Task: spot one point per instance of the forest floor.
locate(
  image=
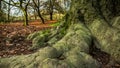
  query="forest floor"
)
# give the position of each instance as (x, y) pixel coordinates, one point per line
(13, 37)
(13, 41)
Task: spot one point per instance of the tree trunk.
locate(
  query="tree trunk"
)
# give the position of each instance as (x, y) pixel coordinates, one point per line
(37, 5)
(25, 17)
(9, 11)
(51, 15)
(88, 10)
(40, 16)
(0, 5)
(51, 9)
(35, 16)
(99, 14)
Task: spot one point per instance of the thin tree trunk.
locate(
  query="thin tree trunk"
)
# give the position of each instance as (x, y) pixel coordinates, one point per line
(35, 15)
(0, 5)
(37, 5)
(51, 16)
(25, 17)
(24, 9)
(40, 16)
(9, 11)
(51, 10)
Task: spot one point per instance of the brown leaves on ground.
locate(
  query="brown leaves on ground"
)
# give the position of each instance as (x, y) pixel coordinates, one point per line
(13, 37)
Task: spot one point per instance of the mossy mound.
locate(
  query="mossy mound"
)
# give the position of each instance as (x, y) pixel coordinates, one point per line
(44, 38)
(30, 61)
(81, 60)
(70, 52)
(77, 35)
(109, 38)
(39, 39)
(53, 63)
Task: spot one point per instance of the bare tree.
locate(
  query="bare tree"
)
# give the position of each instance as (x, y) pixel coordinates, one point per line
(37, 6)
(22, 5)
(52, 5)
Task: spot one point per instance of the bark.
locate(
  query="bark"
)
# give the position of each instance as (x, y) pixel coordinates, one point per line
(0, 5)
(51, 16)
(35, 14)
(24, 9)
(9, 11)
(40, 16)
(25, 17)
(88, 10)
(51, 10)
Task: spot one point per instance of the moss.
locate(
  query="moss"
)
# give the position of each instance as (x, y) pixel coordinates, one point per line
(39, 39)
(33, 35)
(4, 63)
(108, 38)
(74, 46)
(48, 52)
(81, 60)
(53, 63)
(52, 41)
(32, 66)
(77, 35)
(31, 60)
(55, 24)
(116, 22)
(38, 42)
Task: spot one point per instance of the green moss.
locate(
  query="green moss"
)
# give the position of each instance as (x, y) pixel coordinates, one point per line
(55, 24)
(38, 42)
(33, 35)
(52, 41)
(77, 35)
(48, 52)
(53, 63)
(116, 22)
(39, 39)
(81, 60)
(108, 38)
